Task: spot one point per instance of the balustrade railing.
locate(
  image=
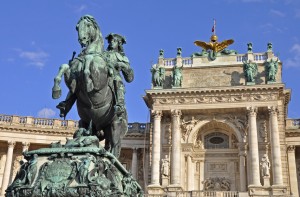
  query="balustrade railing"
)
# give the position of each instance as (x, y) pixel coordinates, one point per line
(198, 194)
(37, 122)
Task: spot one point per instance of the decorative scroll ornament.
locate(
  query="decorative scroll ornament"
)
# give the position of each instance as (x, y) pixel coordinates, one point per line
(263, 131)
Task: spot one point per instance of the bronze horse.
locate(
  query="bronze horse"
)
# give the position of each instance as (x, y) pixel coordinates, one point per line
(87, 77)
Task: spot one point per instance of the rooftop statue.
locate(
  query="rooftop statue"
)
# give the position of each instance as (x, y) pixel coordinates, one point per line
(250, 70)
(213, 47)
(158, 75)
(94, 81)
(271, 68)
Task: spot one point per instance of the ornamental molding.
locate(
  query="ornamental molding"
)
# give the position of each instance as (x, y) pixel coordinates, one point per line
(222, 98)
(217, 95)
(37, 131)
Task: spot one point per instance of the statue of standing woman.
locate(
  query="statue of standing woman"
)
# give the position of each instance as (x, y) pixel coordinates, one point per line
(177, 76)
(250, 70)
(271, 68)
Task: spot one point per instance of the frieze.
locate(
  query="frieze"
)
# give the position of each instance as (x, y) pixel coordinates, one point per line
(218, 98)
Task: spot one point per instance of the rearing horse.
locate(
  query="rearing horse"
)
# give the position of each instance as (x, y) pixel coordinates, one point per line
(89, 83)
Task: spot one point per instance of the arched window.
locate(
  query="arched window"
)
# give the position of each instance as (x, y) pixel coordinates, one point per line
(216, 140)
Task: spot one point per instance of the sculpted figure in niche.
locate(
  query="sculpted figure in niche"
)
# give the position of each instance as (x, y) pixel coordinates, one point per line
(165, 166)
(177, 76)
(250, 70)
(271, 69)
(265, 166)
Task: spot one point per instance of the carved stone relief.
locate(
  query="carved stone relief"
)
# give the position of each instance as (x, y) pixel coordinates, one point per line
(216, 184)
(263, 131)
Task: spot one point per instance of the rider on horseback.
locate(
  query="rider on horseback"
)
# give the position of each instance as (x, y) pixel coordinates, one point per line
(118, 62)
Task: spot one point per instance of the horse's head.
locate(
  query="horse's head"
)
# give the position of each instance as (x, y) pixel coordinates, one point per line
(89, 32)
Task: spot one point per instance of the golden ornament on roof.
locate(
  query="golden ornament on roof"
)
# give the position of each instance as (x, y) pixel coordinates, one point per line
(213, 44)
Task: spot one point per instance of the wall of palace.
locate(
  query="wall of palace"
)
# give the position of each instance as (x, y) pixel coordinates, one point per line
(18, 134)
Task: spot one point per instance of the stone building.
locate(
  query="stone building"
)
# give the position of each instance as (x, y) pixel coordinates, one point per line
(222, 128)
(18, 134)
(217, 129)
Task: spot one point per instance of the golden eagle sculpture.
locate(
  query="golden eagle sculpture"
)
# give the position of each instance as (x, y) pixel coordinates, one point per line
(213, 44)
(214, 47)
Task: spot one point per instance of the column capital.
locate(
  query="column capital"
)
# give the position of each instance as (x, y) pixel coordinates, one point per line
(176, 112)
(11, 144)
(291, 148)
(188, 155)
(273, 110)
(134, 149)
(252, 111)
(156, 113)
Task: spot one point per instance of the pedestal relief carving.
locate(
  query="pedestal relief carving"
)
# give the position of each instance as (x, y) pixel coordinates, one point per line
(216, 184)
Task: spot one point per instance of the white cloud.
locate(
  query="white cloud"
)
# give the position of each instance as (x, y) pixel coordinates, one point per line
(46, 113)
(295, 60)
(36, 58)
(270, 28)
(80, 8)
(277, 13)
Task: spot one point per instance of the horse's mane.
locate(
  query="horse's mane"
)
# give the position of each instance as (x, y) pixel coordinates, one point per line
(98, 40)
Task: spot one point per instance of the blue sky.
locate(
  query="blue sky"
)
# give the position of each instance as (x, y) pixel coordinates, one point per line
(38, 36)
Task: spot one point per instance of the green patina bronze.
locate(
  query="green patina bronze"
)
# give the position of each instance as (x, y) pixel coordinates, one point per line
(82, 167)
(177, 76)
(94, 81)
(250, 70)
(158, 75)
(271, 68)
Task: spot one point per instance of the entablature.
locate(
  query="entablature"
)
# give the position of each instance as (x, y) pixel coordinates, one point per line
(216, 97)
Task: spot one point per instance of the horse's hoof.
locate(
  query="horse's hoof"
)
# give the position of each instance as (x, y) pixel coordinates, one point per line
(56, 93)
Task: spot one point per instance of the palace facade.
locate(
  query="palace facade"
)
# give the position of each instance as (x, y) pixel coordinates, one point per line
(220, 126)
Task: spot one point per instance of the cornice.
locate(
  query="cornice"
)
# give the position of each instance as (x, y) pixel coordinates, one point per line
(39, 131)
(232, 94)
(222, 89)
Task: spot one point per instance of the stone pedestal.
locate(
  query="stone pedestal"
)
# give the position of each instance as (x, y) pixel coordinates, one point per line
(164, 181)
(172, 189)
(250, 83)
(266, 182)
(155, 189)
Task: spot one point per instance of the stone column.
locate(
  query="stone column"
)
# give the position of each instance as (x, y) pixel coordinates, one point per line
(253, 147)
(201, 171)
(242, 155)
(156, 146)
(292, 170)
(176, 149)
(8, 165)
(190, 173)
(134, 163)
(275, 146)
